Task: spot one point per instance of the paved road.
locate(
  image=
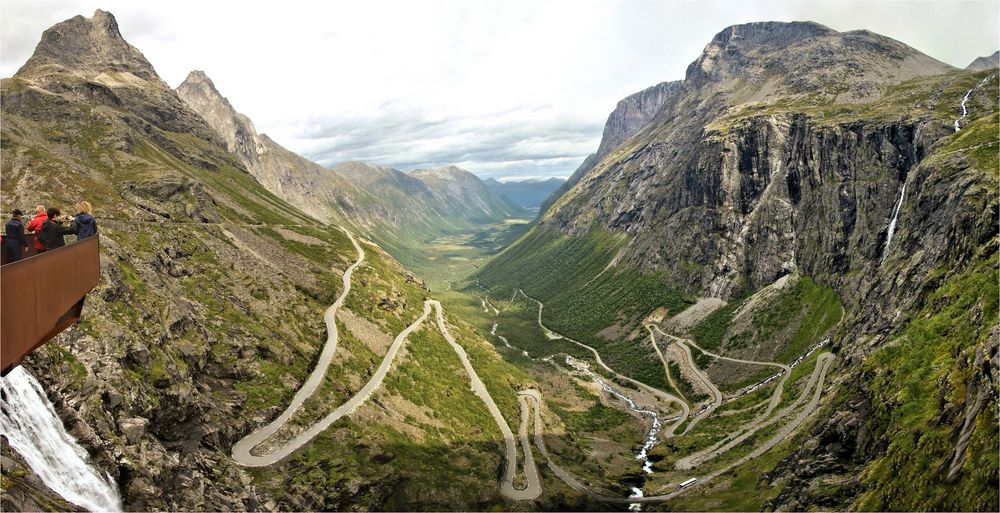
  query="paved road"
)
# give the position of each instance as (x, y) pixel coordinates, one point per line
(241, 451)
(714, 390)
(532, 399)
(534, 486)
(786, 370)
(693, 460)
(668, 432)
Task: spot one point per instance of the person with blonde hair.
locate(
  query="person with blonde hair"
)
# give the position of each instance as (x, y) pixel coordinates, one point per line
(84, 225)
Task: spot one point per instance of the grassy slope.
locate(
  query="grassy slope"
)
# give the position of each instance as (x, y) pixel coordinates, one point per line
(583, 295)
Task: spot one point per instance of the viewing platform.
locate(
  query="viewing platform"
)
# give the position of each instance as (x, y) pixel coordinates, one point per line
(42, 294)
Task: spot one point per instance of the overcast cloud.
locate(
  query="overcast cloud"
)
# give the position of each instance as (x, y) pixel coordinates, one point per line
(503, 89)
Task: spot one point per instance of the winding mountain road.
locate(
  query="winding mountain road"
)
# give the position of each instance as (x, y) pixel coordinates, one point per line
(667, 397)
(530, 398)
(241, 451)
(693, 460)
(527, 399)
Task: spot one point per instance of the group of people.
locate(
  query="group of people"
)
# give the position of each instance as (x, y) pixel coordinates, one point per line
(49, 226)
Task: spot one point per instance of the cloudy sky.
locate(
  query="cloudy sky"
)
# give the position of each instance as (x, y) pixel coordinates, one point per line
(503, 89)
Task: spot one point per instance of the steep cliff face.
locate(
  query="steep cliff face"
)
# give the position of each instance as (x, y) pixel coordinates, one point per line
(630, 116)
(727, 161)
(795, 148)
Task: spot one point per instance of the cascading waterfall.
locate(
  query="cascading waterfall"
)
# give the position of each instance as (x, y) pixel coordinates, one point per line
(965, 100)
(892, 224)
(34, 430)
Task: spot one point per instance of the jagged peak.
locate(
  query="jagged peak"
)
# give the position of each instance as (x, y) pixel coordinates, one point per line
(89, 47)
(198, 80)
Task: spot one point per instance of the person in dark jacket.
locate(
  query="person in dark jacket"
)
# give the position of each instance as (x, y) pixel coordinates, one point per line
(15, 242)
(84, 225)
(53, 231)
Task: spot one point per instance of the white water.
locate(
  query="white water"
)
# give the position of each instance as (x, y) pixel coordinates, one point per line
(965, 111)
(892, 224)
(34, 430)
(636, 493)
(654, 429)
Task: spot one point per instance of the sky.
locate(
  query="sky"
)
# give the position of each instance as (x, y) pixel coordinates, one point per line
(508, 89)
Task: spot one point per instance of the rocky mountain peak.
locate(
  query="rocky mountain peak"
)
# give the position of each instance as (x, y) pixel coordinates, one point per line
(88, 47)
(805, 57)
(199, 92)
(985, 62)
(197, 88)
(633, 113)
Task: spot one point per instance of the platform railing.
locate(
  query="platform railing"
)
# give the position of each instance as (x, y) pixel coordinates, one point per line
(42, 295)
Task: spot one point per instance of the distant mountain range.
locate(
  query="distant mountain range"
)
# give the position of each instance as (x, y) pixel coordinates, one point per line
(527, 193)
(401, 210)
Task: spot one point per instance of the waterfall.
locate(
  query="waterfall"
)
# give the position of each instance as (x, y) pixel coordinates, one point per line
(34, 430)
(965, 110)
(892, 224)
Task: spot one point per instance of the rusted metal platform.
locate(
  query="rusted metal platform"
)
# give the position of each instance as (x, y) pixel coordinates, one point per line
(42, 295)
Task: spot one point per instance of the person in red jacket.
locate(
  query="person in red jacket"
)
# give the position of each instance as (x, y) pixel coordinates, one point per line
(36, 225)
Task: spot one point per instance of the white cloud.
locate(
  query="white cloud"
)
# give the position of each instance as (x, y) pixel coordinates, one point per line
(503, 88)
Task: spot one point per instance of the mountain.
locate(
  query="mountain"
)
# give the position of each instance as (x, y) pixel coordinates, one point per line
(209, 313)
(630, 115)
(401, 211)
(819, 173)
(526, 193)
(988, 62)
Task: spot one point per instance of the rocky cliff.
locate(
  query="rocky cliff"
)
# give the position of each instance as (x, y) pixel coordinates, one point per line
(631, 115)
